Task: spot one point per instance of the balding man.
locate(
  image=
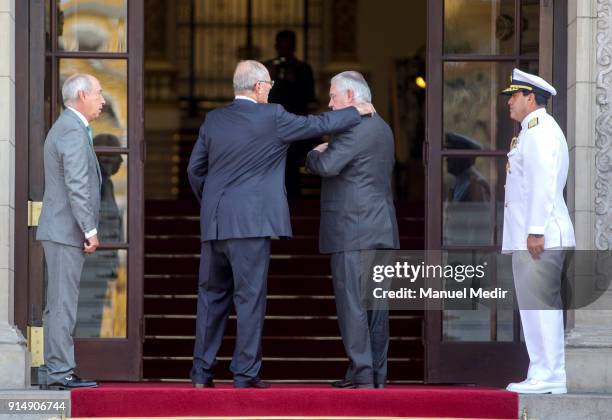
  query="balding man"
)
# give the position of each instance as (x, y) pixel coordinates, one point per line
(236, 171)
(68, 221)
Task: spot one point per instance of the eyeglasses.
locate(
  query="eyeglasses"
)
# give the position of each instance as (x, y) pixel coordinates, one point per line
(270, 82)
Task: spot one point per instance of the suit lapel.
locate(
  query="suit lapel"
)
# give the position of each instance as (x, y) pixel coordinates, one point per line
(72, 115)
(98, 168)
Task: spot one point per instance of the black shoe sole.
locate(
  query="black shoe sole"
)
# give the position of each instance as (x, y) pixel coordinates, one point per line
(343, 385)
(242, 386)
(202, 386)
(67, 388)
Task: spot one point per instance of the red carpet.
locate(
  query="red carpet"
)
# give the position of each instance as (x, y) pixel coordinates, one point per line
(172, 400)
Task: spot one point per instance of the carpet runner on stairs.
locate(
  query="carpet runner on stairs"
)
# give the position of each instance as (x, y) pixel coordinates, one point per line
(151, 400)
(301, 339)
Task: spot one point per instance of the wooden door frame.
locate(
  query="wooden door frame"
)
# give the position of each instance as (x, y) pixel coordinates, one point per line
(107, 358)
(492, 363)
(22, 113)
(433, 165)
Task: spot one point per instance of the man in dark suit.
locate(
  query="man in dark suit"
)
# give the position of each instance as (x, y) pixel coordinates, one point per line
(357, 214)
(236, 171)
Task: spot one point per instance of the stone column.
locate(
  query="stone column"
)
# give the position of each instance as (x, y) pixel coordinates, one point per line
(14, 357)
(589, 340)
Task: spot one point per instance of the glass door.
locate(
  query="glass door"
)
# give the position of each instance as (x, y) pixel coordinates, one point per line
(473, 46)
(103, 38)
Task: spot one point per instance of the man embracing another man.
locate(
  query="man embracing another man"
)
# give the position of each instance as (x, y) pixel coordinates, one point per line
(236, 171)
(357, 214)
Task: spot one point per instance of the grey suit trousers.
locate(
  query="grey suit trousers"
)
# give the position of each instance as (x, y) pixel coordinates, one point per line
(365, 334)
(64, 265)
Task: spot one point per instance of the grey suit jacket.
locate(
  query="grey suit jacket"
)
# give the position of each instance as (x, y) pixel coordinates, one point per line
(71, 202)
(357, 210)
(237, 166)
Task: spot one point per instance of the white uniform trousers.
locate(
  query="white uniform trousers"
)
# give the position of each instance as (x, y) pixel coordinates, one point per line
(538, 285)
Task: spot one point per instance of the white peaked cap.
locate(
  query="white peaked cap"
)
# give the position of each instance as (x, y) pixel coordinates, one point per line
(521, 80)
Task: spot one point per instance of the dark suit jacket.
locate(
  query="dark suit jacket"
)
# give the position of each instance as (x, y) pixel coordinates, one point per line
(237, 167)
(357, 209)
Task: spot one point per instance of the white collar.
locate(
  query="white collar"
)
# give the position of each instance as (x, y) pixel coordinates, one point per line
(531, 115)
(81, 116)
(247, 98)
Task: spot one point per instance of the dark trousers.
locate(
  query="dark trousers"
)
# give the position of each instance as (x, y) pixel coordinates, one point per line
(232, 270)
(365, 334)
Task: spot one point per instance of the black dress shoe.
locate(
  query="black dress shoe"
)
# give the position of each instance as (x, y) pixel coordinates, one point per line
(206, 384)
(346, 384)
(72, 381)
(253, 383)
(343, 383)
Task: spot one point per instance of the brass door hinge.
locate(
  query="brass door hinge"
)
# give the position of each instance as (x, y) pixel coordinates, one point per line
(34, 209)
(36, 345)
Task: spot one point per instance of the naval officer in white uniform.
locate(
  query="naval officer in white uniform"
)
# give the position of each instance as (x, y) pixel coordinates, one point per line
(537, 230)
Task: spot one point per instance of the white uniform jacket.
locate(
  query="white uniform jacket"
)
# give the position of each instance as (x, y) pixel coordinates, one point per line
(536, 176)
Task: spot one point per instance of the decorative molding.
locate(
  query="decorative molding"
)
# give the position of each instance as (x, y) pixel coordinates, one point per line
(603, 127)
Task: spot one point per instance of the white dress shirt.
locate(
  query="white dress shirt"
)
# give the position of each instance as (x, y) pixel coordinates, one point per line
(81, 116)
(246, 98)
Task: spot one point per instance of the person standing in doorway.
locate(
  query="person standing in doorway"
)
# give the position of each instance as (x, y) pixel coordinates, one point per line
(537, 230)
(294, 89)
(68, 222)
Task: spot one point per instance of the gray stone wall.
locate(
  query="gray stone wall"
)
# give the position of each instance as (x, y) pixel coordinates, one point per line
(603, 126)
(589, 339)
(14, 359)
(581, 118)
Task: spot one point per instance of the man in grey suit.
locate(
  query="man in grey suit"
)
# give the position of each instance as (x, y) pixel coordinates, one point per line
(357, 214)
(236, 171)
(68, 223)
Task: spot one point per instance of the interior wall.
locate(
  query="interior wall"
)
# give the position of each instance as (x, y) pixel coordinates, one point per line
(387, 30)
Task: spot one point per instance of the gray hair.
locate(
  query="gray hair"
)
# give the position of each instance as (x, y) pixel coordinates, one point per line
(353, 80)
(75, 84)
(247, 73)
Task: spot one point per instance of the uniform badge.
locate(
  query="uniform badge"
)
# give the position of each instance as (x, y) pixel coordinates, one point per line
(532, 123)
(513, 144)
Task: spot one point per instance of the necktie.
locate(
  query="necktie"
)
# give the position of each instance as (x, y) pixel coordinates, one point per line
(90, 134)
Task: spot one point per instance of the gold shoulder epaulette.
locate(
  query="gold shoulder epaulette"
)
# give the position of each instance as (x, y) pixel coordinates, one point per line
(532, 123)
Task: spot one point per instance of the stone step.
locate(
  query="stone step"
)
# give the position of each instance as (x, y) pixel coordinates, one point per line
(566, 407)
